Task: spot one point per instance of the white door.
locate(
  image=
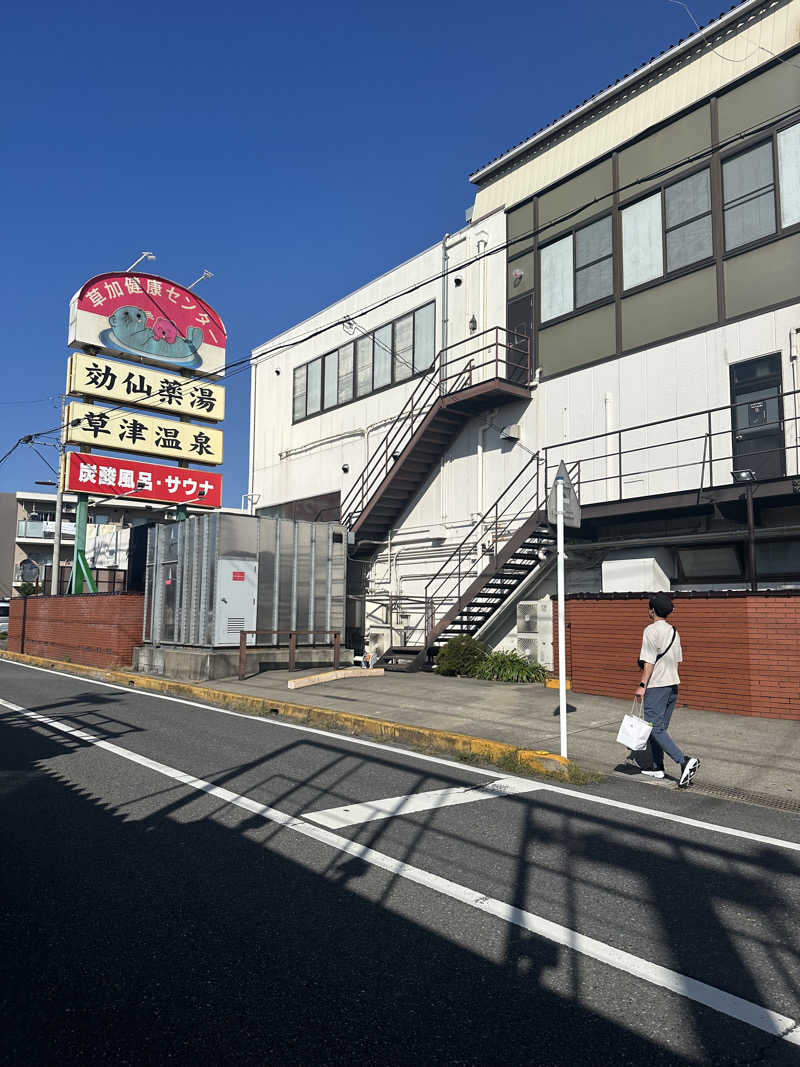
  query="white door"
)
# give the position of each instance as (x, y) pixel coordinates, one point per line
(237, 586)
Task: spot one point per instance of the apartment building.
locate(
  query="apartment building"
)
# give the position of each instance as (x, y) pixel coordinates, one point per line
(624, 298)
(30, 534)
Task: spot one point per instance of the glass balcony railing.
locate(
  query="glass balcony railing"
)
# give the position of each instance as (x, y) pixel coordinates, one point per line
(44, 528)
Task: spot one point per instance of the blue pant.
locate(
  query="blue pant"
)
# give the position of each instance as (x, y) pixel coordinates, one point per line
(659, 703)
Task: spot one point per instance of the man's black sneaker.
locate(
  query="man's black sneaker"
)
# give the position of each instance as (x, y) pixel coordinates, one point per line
(689, 768)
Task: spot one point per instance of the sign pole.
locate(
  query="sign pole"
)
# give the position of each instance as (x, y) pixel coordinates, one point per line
(562, 661)
(81, 516)
(62, 459)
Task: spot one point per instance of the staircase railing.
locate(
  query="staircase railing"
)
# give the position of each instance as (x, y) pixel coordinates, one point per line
(495, 353)
(522, 498)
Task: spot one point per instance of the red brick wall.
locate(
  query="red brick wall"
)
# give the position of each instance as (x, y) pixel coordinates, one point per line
(741, 651)
(99, 630)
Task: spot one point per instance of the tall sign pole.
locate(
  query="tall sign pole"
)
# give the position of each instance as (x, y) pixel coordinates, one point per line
(562, 660)
(56, 573)
(562, 508)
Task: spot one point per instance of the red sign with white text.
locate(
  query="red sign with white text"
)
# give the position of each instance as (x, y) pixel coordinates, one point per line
(131, 479)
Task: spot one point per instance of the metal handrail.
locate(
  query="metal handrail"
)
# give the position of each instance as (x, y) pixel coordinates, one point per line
(448, 374)
(292, 635)
(450, 580)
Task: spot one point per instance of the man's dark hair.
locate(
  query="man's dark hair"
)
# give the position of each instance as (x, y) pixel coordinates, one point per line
(661, 605)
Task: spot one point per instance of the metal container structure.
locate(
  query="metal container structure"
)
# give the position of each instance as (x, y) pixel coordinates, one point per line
(214, 575)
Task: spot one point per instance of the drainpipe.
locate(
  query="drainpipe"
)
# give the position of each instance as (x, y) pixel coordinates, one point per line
(608, 401)
(480, 494)
(445, 262)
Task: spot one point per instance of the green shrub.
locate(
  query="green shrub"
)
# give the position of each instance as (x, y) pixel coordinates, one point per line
(509, 667)
(461, 655)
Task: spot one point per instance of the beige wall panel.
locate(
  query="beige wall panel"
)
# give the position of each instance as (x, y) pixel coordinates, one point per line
(763, 277)
(596, 182)
(669, 309)
(580, 340)
(772, 93)
(668, 94)
(680, 139)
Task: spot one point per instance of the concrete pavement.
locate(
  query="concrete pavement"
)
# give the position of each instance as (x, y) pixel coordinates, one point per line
(755, 758)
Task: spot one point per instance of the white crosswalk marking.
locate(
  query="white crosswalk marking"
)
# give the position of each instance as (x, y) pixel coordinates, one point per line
(389, 807)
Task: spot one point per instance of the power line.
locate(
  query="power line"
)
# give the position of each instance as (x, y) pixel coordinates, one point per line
(230, 370)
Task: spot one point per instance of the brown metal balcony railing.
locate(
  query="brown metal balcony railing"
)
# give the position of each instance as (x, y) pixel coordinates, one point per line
(244, 647)
(700, 450)
(494, 355)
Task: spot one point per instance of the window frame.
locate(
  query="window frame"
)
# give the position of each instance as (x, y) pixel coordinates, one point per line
(570, 232)
(353, 341)
(659, 189)
(739, 150)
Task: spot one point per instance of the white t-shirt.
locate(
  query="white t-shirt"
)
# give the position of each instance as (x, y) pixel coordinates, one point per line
(655, 639)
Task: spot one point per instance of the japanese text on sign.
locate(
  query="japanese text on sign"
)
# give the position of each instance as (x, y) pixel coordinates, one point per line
(128, 431)
(134, 480)
(107, 379)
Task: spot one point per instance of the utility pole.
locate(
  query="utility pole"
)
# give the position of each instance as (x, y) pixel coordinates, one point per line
(54, 582)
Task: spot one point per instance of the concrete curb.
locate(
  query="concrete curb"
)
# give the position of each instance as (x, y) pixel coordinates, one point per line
(477, 749)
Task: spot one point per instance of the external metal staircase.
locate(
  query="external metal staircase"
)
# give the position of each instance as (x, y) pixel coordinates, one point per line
(506, 545)
(476, 374)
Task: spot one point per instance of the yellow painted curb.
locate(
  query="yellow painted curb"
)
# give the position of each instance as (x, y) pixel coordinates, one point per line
(537, 761)
(552, 683)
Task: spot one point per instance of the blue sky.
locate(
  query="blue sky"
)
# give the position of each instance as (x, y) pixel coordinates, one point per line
(296, 151)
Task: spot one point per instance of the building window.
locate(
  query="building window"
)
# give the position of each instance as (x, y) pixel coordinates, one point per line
(577, 270)
(424, 337)
(667, 231)
(593, 262)
(748, 190)
(789, 174)
(314, 387)
(382, 367)
(299, 393)
(363, 366)
(403, 348)
(393, 353)
(687, 218)
(331, 379)
(642, 249)
(346, 373)
(556, 279)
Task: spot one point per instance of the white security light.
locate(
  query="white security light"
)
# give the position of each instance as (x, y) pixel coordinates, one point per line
(744, 476)
(144, 255)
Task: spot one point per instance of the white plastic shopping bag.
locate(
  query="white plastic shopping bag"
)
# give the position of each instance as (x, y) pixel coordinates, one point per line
(634, 732)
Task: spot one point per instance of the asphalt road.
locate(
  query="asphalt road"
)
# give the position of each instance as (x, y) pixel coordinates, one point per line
(172, 893)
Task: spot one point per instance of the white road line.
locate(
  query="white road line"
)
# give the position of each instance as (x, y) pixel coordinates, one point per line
(756, 1015)
(464, 768)
(388, 808)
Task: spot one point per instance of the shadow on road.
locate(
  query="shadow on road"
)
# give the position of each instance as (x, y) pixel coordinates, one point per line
(177, 937)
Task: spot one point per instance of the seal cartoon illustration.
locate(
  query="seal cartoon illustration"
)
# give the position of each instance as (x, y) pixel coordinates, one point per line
(129, 332)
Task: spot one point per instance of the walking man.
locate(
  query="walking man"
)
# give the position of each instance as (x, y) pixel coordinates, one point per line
(661, 653)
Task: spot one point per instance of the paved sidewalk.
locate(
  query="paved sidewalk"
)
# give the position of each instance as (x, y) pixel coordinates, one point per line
(757, 757)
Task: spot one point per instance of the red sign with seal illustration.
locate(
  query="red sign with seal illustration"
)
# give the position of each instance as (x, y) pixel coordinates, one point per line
(150, 319)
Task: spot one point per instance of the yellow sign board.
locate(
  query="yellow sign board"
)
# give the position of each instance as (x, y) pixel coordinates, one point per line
(145, 387)
(145, 435)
